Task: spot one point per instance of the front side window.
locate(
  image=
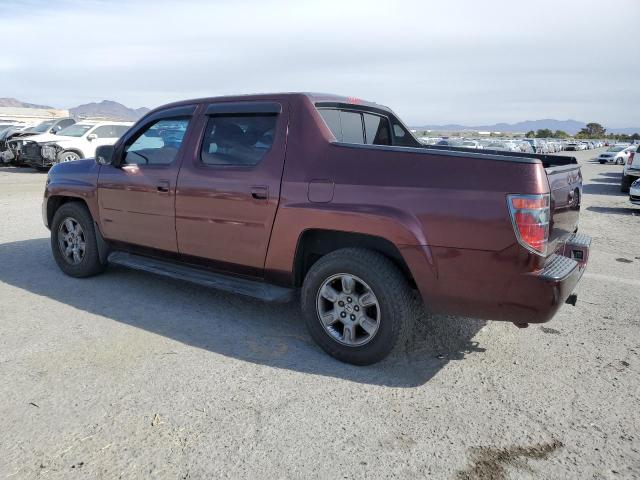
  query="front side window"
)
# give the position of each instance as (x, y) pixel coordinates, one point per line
(242, 139)
(158, 144)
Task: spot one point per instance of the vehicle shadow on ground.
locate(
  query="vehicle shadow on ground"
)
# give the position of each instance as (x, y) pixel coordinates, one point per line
(616, 210)
(613, 180)
(231, 325)
(609, 184)
(617, 175)
(20, 170)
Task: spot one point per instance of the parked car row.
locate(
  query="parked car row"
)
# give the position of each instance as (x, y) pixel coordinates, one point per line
(56, 141)
(527, 145)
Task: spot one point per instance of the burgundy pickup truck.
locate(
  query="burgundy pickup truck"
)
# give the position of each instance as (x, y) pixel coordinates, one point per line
(331, 197)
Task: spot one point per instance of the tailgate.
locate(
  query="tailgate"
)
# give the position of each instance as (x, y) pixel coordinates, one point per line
(565, 183)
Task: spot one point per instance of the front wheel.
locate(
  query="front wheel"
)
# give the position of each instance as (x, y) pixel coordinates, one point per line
(357, 305)
(68, 156)
(73, 241)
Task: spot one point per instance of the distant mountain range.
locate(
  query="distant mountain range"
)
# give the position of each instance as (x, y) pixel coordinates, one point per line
(12, 102)
(108, 109)
(569, 126)
(105, 109)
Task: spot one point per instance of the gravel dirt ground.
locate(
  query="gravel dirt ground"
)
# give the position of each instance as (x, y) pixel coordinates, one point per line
(127, 375)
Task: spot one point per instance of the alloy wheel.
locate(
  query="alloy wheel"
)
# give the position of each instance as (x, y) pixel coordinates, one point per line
(71, 241)
(348, 309)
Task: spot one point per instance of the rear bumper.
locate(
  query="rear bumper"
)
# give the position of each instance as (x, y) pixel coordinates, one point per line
(483, 285)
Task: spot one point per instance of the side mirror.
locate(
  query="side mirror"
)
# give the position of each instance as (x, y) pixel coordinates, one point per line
(92, 136)
(104, 154)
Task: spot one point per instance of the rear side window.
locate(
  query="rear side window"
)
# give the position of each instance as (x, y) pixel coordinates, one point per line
(402, 138)
(238, 139)
(110, 131)
(357, 127)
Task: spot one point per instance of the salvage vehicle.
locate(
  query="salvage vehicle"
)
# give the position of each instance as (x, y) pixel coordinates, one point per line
(631, 170)
(7, 155)
(329, 198)
(42, 131)
(618, 154)
(72, 143)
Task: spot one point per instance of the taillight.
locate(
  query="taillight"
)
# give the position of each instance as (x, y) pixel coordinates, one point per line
(530, 217)
(630, 159)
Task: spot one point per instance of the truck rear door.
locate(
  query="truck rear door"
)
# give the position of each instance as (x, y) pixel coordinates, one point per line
(229, 186)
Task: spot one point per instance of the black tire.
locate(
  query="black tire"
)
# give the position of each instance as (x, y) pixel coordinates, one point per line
(90, 263)
(389, 287)
(601, 162)
(625, 184)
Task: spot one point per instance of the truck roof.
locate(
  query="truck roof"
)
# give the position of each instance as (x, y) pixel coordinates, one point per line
(314, 97)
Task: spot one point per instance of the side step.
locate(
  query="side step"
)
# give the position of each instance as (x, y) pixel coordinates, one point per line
(241, 286)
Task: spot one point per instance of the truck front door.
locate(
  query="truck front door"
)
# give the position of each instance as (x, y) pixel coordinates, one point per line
(229, 185)
(136, 195)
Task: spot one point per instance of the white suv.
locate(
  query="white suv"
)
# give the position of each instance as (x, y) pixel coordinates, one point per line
(81, 140)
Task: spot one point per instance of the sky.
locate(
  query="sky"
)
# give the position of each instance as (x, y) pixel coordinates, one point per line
(470, 62)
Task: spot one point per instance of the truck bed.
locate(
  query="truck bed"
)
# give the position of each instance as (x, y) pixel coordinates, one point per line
(547, 160)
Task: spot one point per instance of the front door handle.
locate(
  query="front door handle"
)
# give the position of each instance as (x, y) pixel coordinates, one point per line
(260, 192)
(163, 186)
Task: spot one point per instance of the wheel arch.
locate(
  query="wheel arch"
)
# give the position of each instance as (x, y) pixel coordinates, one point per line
(54, 202)
(314, 243)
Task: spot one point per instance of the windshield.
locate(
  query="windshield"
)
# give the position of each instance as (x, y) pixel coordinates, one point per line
(76, 130)
(616, 149)
(43, 127)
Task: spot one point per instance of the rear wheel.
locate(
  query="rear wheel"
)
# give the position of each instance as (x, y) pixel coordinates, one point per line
(625, 184)
(73, 241)
(357, 305)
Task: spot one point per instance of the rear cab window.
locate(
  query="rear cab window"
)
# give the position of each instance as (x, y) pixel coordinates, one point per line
(364, 127)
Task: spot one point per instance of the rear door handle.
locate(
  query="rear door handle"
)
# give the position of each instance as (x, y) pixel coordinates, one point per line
(163, 186)
(260, 192)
